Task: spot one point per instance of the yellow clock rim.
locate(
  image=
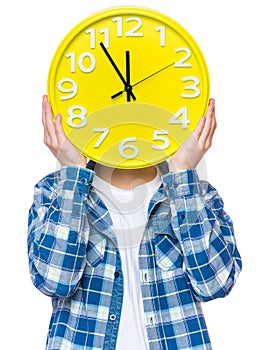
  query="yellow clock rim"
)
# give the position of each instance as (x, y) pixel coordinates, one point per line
(125, 10)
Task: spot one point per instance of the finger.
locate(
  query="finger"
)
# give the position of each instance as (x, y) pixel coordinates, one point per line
(208, 125)
(208, 141)
(199, 128)
(49, 125)
(44, 100)
(44, 112)
(60, 134)
(212, 131)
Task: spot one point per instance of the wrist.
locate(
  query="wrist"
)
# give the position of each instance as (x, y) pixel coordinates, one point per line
(82, 164)
(177, 168)
(79, 164)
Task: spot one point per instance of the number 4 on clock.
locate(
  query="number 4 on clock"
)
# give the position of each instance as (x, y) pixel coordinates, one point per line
(183, 113)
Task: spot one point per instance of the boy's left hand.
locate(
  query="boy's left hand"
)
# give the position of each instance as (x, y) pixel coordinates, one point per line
(192, 150)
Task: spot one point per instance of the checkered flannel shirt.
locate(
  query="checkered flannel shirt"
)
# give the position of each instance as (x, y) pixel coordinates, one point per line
(187, 255)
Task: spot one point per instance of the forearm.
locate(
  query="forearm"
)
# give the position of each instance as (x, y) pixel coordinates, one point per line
(205, 233)
(58, 231)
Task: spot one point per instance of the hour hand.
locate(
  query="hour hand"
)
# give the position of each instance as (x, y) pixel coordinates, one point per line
(126, 87)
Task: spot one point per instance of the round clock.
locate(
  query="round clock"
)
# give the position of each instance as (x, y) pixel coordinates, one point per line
(131, 85)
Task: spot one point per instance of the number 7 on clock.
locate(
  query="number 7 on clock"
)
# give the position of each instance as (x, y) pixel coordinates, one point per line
(105, 132)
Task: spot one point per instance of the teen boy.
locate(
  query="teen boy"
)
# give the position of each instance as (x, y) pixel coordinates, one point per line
(128, 255)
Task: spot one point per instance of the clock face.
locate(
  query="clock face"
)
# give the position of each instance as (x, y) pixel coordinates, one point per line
(131, 85)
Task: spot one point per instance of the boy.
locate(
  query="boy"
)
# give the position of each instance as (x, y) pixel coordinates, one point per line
(128, 255)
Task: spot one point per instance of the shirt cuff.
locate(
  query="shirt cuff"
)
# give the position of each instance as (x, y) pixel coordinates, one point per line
(72, 178)
(182, 184)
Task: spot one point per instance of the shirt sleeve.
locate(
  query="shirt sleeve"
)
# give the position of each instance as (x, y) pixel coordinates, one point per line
(205, 232)
(58, 231)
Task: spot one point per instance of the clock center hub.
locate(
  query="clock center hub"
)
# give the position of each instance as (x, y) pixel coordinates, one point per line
(128, 88)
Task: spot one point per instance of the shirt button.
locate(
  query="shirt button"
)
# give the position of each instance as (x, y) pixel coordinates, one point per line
(113, 317)
(145, 277)
(182, 216)
(116, 274)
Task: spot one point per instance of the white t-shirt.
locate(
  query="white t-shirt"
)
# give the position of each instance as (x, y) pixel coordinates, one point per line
(129, 211)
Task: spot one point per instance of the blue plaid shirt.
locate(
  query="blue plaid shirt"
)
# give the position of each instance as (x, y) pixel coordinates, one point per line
(187, 255)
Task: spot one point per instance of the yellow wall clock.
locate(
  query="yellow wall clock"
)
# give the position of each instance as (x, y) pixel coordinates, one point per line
(131, 85)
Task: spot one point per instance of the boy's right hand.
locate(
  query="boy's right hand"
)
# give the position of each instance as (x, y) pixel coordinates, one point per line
(56, 140)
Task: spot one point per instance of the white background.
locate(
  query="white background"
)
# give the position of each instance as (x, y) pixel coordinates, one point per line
(229, 34)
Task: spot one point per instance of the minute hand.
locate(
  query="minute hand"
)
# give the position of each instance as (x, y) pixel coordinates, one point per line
(140, 81)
